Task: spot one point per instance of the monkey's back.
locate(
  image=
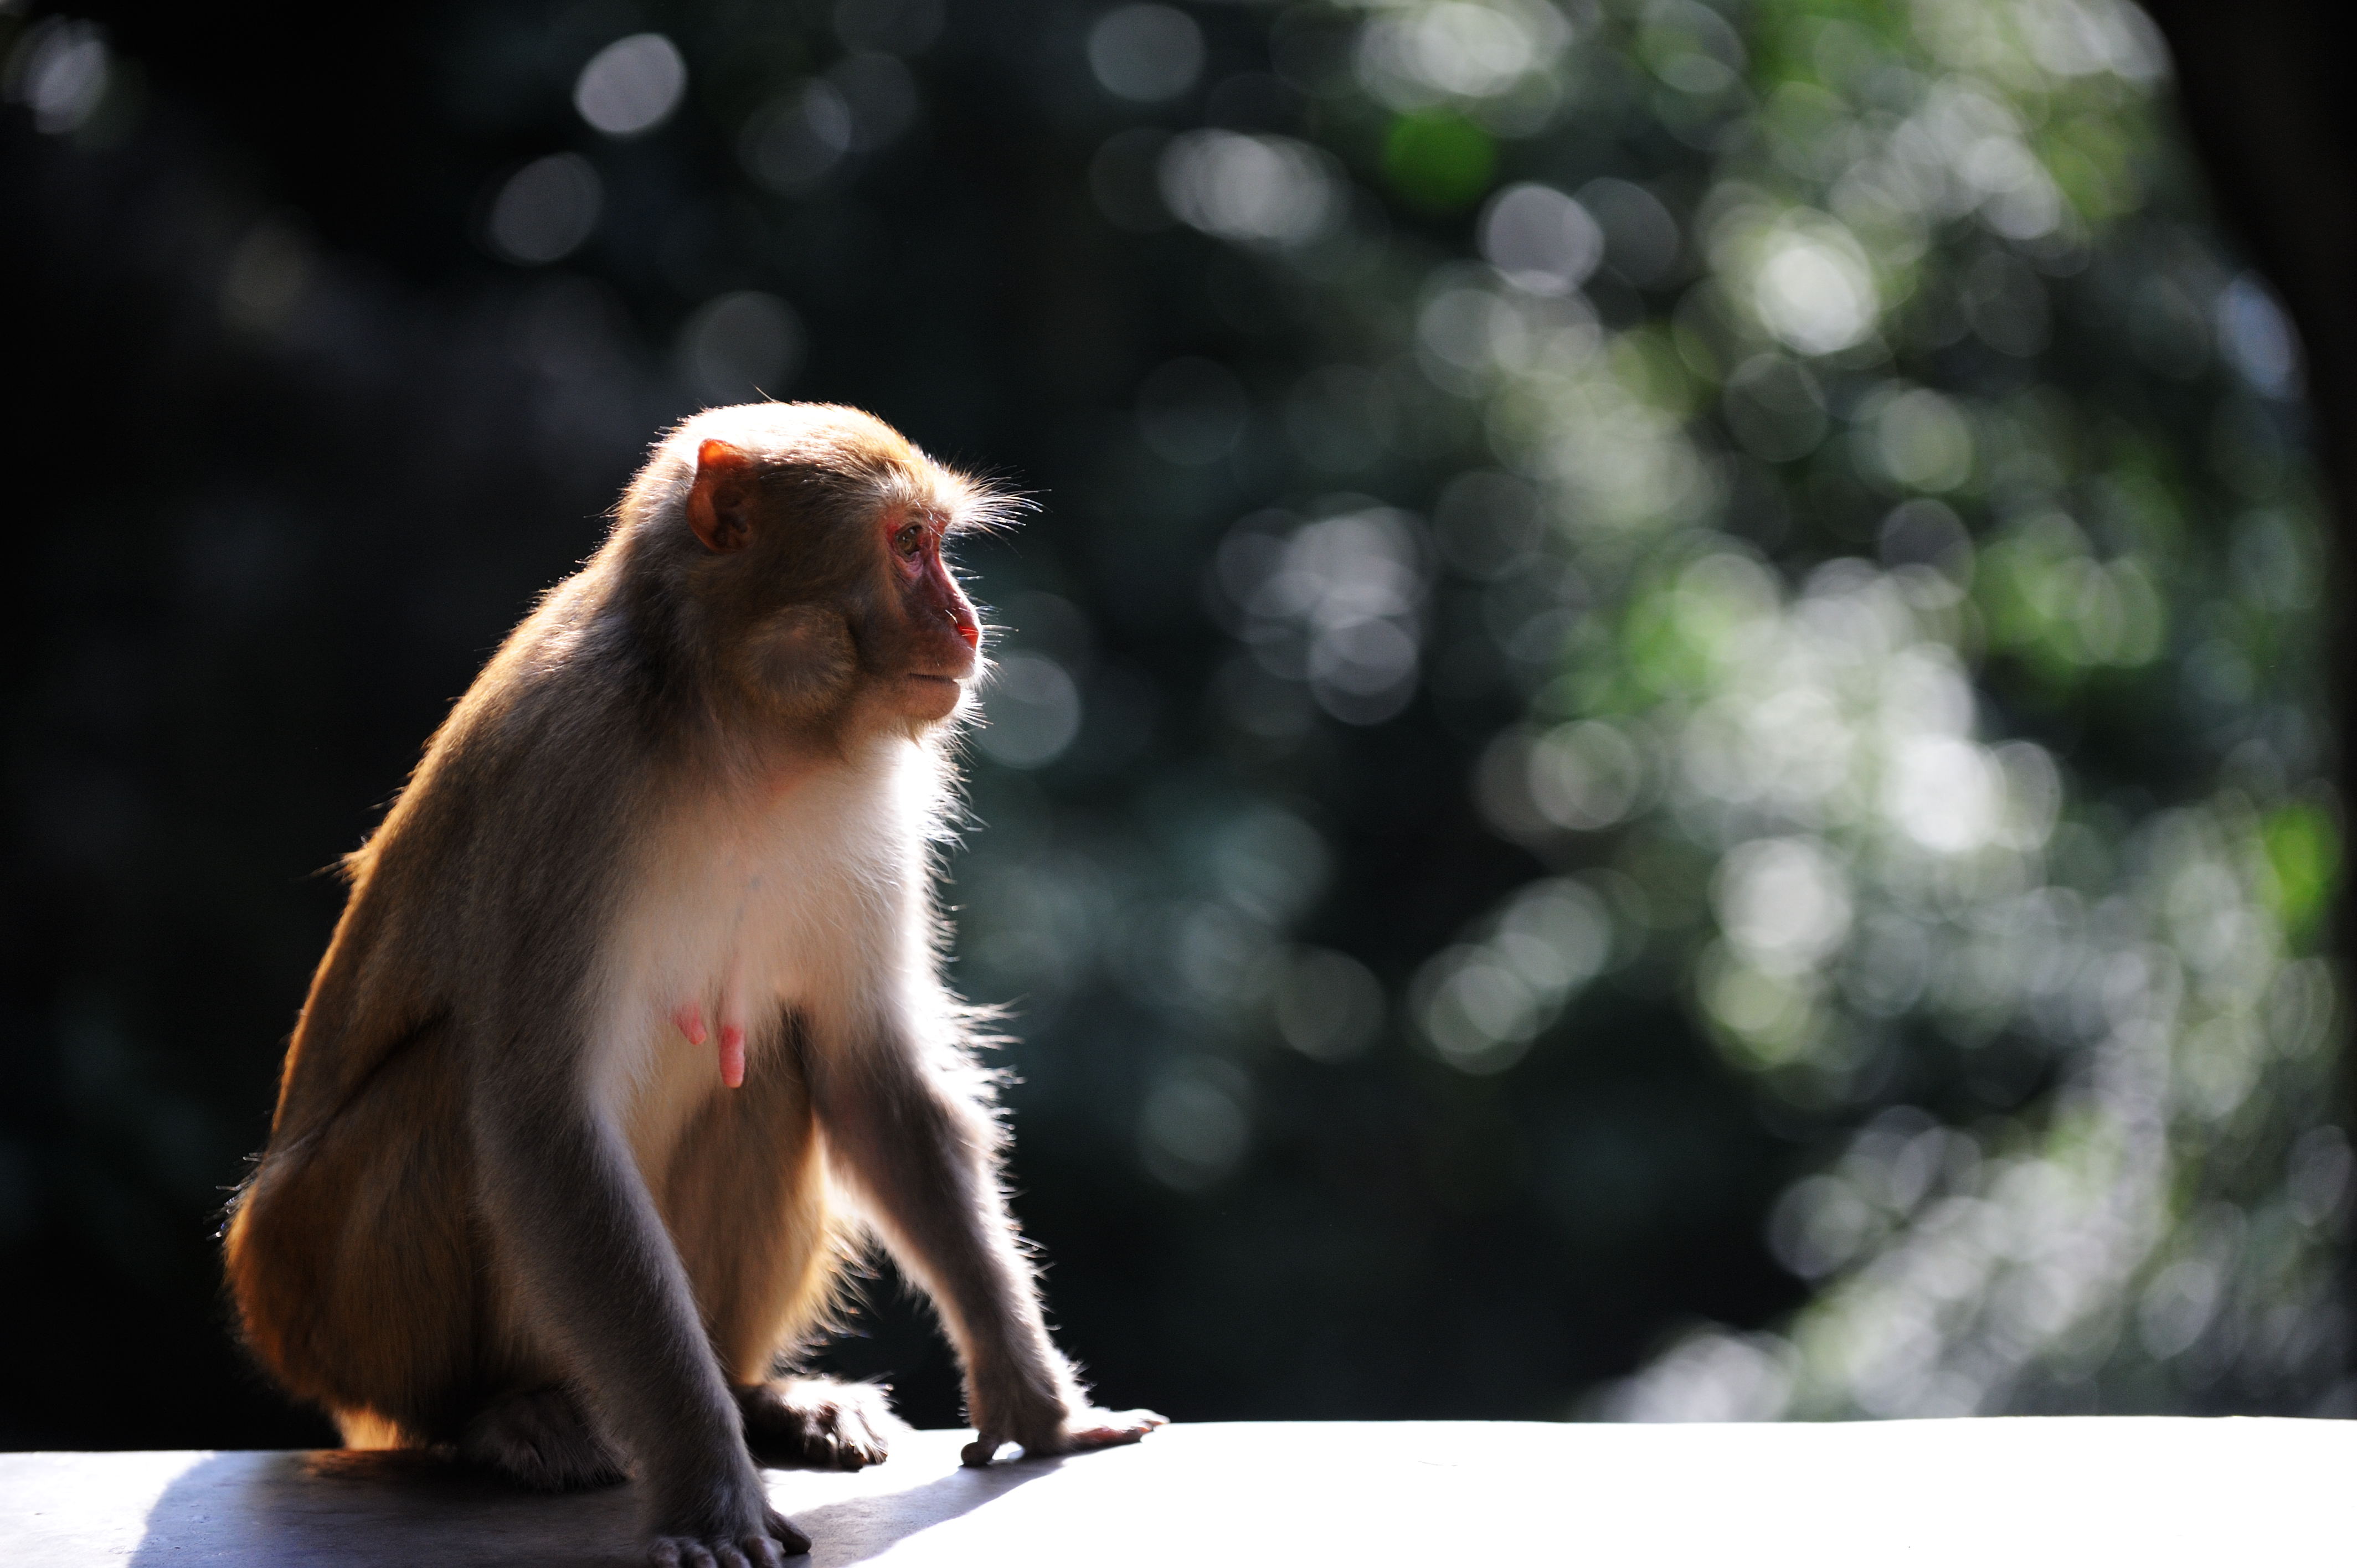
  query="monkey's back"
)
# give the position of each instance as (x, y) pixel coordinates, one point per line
(457, 894)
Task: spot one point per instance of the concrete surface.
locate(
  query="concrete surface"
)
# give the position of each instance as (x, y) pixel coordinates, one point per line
(1994, 1494)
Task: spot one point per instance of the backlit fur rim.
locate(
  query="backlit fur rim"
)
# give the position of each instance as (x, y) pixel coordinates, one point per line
(964, 503)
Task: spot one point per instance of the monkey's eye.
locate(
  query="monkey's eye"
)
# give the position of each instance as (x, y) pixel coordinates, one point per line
(909, 539)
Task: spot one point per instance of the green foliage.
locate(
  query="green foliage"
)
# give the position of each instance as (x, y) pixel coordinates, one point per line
(1884, 418)
(1438, 163)
(2303, 852)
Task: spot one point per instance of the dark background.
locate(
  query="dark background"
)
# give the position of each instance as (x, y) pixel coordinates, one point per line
(253, 565)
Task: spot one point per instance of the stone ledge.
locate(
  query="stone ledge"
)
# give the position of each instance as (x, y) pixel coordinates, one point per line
(2004, 1492)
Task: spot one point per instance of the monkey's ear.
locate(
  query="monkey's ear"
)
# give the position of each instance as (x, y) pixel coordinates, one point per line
(720, 503)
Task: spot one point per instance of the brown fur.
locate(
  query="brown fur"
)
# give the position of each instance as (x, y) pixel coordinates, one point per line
(334, 1231)
(506, 1204)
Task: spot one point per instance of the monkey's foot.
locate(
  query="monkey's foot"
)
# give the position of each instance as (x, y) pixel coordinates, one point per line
(1082, 1429)
(541, 1439)
(818, 1423)
(770, 1549)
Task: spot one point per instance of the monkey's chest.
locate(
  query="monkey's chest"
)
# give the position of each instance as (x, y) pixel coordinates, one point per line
(730, 933)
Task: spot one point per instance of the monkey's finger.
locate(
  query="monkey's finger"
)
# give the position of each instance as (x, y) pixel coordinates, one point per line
(867, 1438)
(1108, 1437)
(688, 1019)
(1149, 1419)
(1108, 1429)
(664, 1553)
(792, 1541)
(732, 1055)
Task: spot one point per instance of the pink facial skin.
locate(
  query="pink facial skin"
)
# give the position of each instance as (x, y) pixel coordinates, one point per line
(916, 545)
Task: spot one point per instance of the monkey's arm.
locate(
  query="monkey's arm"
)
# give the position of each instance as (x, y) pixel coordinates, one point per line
(579, 1233)
(911, 1131)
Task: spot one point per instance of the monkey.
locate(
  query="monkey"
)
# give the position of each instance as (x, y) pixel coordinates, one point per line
(634, 1026)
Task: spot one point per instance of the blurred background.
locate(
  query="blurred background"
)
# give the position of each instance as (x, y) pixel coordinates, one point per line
(1661, 749)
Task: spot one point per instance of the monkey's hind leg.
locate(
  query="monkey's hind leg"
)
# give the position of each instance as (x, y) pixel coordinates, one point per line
(818, 1423)
(543, 1439)
(745, 1197)
(354, 1264)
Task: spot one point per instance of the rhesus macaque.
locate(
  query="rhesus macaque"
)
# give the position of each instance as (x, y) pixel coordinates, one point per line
(634, 1022)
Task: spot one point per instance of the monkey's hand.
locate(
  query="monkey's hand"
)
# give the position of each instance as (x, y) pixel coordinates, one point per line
(1078, 1431)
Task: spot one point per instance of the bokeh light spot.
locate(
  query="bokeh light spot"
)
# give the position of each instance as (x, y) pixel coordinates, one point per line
(1813, 287)
(1145, 53)
(1641, 237)
(1251, 189)
(632, 85)
(740, 347)
(1328, 1005)
(1543, 240)
(61, 69)
(1031, 711)
(1196, 1123)
(792, 142)
(545, 210)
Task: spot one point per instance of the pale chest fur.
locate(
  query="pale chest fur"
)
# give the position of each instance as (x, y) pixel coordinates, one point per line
(798, 897)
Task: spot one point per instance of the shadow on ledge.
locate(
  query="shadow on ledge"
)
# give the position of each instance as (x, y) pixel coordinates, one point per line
(265, 1509)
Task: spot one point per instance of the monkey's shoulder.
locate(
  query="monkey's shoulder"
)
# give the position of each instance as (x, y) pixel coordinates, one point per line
(561, 712)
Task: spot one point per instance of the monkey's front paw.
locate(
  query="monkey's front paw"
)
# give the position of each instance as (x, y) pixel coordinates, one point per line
(768, 1548)
(1080, 1430)
(819, 1422)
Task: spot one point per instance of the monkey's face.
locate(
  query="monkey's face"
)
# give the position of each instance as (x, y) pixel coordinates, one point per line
(824, 575)
(936, 635)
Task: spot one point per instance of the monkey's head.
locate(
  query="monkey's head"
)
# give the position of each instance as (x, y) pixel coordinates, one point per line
(800, 549)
